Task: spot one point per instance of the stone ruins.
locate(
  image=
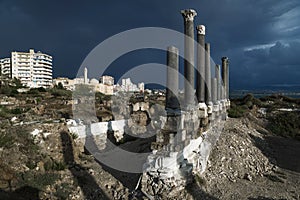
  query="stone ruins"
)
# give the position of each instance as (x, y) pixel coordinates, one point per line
(193, 124)
(193, 121)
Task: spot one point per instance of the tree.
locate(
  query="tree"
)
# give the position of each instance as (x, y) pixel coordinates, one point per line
(59, 86)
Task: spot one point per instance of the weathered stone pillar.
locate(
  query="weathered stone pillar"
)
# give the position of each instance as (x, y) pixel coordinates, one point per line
(217, 74)
(207, 75)
(188, 16)
(225, 76)
(172, 101)
(200, 87)
(214, 92)
(222, 91)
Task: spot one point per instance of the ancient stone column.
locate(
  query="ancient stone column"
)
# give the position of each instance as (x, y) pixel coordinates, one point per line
(200, 83)
(217, 74)
(207, 75)
(225, 76)
(214, 90)
(188, 16)
(172, 79)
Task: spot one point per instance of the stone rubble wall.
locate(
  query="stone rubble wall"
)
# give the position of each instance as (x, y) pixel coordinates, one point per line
(187, 151)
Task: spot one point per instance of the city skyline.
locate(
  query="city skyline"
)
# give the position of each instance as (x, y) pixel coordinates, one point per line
(258, 37)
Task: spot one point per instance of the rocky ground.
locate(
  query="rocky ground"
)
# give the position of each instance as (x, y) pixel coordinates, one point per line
(40, 159)
(249, 164)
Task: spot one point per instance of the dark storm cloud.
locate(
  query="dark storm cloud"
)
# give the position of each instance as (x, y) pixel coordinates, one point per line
(256, 35)
(278, 64)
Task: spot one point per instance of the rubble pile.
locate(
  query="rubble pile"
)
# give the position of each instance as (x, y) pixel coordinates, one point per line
(239, 158)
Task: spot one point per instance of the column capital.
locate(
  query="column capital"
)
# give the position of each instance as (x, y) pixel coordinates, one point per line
(201, 29)
(224, 58)
(189, 14)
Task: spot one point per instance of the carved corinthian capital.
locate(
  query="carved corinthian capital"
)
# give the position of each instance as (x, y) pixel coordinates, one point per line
(189, 14)
(201, 29)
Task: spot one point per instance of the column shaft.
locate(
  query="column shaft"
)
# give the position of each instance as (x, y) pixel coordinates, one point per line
(207, 74)
(214, 90)
(172, 78)
(225, 76)
(217, 74)
(200, 78)
(188, 16)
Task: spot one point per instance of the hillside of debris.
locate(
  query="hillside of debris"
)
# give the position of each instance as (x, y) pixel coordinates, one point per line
(257, 154)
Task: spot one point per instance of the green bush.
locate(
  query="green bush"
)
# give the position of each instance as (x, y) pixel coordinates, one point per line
(63, 191)
(60, 93)
(30, 164)
(6, 140)
(16, 111)
(37, 180)
(4, 112)
(237, 111)
(59, 86)
(74, 136)
(33, 91)
(41, 89)
(58, 166)
(50, 164)
(9, 91)
(286, 124)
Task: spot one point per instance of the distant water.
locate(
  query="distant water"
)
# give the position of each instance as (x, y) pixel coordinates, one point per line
(258, 94)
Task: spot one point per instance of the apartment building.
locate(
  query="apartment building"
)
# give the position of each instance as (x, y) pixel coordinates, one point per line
(5, 67)
(34, 69)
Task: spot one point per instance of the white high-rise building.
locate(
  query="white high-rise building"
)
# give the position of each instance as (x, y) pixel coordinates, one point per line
(5, 67)
(34, 69)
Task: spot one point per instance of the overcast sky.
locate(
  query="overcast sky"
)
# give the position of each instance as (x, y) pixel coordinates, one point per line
(261, 37)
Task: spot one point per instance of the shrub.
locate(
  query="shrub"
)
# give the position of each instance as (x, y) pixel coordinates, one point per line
(6, 141)
(37, 180)
(59, 86)
(41, 89)
(74, 136)
(33, 91)
(286, 124)
(63, 191)
(60, 93)
(237, 111)
(30, 164)
(4, 112)
(58, 166)
(16, 111)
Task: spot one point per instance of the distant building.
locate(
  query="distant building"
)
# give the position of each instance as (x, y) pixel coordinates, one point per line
(5, 67)
(107, 80)
(79, 80)
(67, 83)
(128, 86)
(34, 69)
(107, 88)
(141, 87)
